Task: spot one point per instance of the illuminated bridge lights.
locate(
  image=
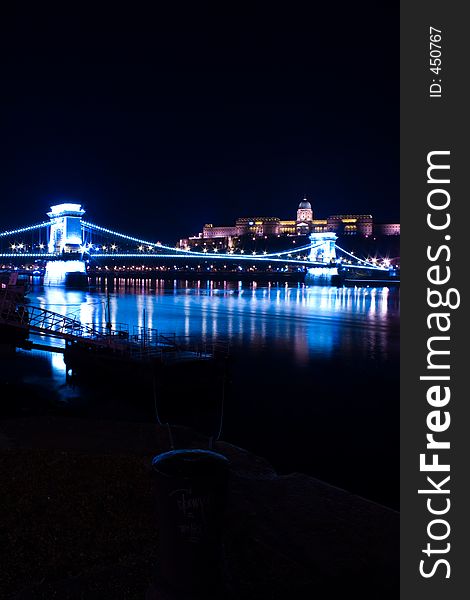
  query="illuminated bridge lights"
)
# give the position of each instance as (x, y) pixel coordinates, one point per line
(93, 227)
(212, 257)
(66, 208)
(365, 262)
(146, 249)
(24, 229)
(27, 255)
(152, 245)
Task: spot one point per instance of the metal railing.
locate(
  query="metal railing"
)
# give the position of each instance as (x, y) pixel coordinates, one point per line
(142, 344)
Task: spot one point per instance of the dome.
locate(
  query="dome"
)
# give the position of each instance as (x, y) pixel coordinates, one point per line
(305, 204)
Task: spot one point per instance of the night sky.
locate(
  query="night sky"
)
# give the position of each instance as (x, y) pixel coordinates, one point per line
(159, 122)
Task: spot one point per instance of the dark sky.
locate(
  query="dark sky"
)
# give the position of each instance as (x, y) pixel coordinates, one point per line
(159, 122)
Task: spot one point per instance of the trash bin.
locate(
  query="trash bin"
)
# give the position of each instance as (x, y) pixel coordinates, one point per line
(191, 488)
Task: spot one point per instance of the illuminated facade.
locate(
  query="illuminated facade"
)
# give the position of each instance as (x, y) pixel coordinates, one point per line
(319, 225)
(387, 228)
(288, 227)
(258, 226)
(351, 224)
(304, 218)
(304, 224)
(66, 228)
(209, 231)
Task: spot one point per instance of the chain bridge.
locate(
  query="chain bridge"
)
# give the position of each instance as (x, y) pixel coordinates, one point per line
(67, 238)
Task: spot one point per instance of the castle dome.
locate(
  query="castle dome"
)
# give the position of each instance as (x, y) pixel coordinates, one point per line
(305, 204)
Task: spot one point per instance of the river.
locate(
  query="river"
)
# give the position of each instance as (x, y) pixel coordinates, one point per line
(315, 370)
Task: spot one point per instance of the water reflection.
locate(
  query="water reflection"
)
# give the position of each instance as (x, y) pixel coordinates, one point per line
(308, 322)
(307, 363)
(58, 364)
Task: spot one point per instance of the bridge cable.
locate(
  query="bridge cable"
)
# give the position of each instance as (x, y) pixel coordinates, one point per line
(360, 259)
(93, 227)
(24, 229)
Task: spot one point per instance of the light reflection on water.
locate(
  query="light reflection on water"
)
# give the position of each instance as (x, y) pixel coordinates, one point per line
(315, 369)
(307, 321)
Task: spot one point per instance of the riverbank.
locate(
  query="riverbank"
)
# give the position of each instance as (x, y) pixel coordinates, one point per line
(285, 401)
(79, 515)
(103, 277)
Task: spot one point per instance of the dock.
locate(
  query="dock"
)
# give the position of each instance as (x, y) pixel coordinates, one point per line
(106, 343)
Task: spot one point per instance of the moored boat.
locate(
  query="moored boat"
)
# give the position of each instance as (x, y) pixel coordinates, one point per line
(351, 277)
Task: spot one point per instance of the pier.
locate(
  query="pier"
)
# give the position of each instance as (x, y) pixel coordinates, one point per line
(87, 342)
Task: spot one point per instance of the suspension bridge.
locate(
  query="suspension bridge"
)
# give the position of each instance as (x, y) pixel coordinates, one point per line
(67, 238)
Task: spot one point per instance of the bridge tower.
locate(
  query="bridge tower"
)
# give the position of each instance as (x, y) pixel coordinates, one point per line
(66, 228)
(65, 241)
(323, 247)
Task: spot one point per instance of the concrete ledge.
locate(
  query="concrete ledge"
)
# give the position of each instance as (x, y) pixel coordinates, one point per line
(78, 519)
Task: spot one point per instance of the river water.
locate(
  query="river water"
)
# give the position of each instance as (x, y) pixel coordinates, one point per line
(315, 370)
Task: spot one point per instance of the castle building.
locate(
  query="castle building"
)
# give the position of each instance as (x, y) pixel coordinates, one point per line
(258, 226)
(210, 232)
(351, 224)
(387, 228)
(304, 224)
(304, 217)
